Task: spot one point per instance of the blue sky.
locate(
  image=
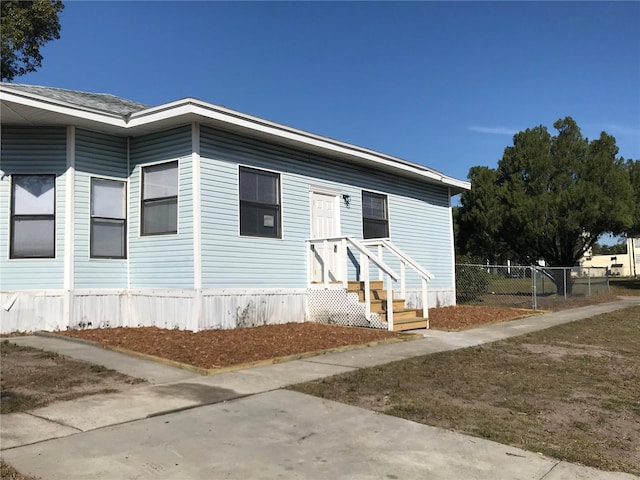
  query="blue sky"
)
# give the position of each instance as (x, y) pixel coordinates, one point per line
(442, 84)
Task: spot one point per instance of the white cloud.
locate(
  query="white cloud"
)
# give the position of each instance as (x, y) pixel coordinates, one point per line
(495, 130)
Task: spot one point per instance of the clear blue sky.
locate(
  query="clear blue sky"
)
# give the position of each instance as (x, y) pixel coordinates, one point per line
(442, 84)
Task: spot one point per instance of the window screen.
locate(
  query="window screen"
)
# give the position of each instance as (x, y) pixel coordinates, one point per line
(33, 216)
(259, 203)
(375, 221)
(160, 199)
(108, 218)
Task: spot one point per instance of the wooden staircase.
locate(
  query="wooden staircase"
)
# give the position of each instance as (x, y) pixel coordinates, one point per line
(403, 318)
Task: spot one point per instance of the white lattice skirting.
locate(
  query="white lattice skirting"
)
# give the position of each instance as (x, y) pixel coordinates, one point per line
(339, 307)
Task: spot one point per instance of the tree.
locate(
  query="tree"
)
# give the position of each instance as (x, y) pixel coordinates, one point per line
(617, 249)
(551, 197)
(477, 221)
(634, 176)
(25, 27)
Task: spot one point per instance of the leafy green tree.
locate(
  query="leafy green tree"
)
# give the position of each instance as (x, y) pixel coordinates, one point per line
(617, 249)
(634, 176)
(25, 27)
(550, 198)
(477, 221)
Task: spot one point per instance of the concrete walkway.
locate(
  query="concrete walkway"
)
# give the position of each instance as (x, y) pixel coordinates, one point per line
(243, 425)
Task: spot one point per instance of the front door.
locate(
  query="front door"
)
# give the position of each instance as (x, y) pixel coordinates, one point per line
(325, 223)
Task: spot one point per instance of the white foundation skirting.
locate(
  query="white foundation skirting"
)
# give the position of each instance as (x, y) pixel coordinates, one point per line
(28, 311)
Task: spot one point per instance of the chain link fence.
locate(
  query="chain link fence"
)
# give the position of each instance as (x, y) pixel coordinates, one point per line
(526, 286)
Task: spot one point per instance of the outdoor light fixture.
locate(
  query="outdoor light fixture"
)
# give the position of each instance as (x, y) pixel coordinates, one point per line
(347, 199)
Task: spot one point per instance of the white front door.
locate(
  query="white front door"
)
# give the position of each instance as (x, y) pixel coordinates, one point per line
(325, 223)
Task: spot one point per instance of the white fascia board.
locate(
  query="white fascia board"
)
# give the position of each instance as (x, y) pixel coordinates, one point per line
(62, 108)
(190, 106)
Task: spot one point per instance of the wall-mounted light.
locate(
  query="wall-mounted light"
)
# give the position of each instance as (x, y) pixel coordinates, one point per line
(347, 199)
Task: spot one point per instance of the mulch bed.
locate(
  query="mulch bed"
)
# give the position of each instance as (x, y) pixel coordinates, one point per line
(212, 349)
(463, 317)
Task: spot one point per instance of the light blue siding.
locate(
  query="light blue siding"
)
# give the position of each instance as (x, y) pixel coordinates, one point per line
(99, 156)
(419, 222)
(32, 150)
(162, 261)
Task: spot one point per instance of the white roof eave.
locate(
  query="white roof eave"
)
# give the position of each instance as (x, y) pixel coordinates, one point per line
(190, 109)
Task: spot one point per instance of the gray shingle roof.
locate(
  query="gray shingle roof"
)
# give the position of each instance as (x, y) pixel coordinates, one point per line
(103, 102)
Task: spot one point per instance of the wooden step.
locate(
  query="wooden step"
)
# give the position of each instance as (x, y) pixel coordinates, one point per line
(381, 305)
(409, 323)
(354, 286)
(398, 314)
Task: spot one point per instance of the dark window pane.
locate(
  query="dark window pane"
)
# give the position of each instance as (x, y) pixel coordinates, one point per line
(375, 228)
(374, 206)
(259, 203)
(259, 220)
(160, 216)
(107, 238)
(375, 222)
(33, 238)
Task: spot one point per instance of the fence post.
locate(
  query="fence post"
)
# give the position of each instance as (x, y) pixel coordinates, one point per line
(564, 278)
(589, 279)
(533, 287)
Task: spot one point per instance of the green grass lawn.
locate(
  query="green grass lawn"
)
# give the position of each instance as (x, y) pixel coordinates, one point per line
(571, 392)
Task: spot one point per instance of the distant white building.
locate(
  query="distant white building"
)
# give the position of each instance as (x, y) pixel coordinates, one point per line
(619, 265)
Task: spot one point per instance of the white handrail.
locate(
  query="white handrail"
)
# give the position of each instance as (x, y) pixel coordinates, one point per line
(365, 257)
(400, 254)
(404, 259)
(363, 250)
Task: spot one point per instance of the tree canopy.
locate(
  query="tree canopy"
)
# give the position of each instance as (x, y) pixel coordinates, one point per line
(550, 198)
(25, 27)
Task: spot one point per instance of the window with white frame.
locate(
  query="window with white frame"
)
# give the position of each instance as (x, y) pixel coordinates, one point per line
(108, 218)
(33, 221)
(160, 199)
(375, 218)
(259, 203)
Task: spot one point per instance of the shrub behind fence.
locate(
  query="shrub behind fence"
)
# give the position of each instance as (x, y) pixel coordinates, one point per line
(526, 286)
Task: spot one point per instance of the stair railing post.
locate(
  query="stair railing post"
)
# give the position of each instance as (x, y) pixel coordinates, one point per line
(425, 301)
(389, 304)
(403, 283)
(380, 257)
(325, 264)
(364, 271)
(343, 262)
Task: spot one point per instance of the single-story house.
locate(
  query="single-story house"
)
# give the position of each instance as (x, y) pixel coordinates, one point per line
(191, 215)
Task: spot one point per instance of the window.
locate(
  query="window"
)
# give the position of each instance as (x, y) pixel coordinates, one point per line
(375, 221)
(33, 216)
(259, 203)
(160, 199)
(108, 219)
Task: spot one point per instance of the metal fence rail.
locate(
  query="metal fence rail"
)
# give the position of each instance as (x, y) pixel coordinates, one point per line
(526, 286)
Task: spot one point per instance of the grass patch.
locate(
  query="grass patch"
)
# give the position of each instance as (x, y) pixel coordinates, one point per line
(571, 392)
(32, 378)
(625, 286)
(7, 472)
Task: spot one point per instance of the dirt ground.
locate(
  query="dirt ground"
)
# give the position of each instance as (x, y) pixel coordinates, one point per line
(570, 392)
(31, 378)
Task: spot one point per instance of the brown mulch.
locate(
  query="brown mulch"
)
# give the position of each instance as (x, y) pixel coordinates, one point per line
(463, 317)
(222, 348)
(211, 349)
